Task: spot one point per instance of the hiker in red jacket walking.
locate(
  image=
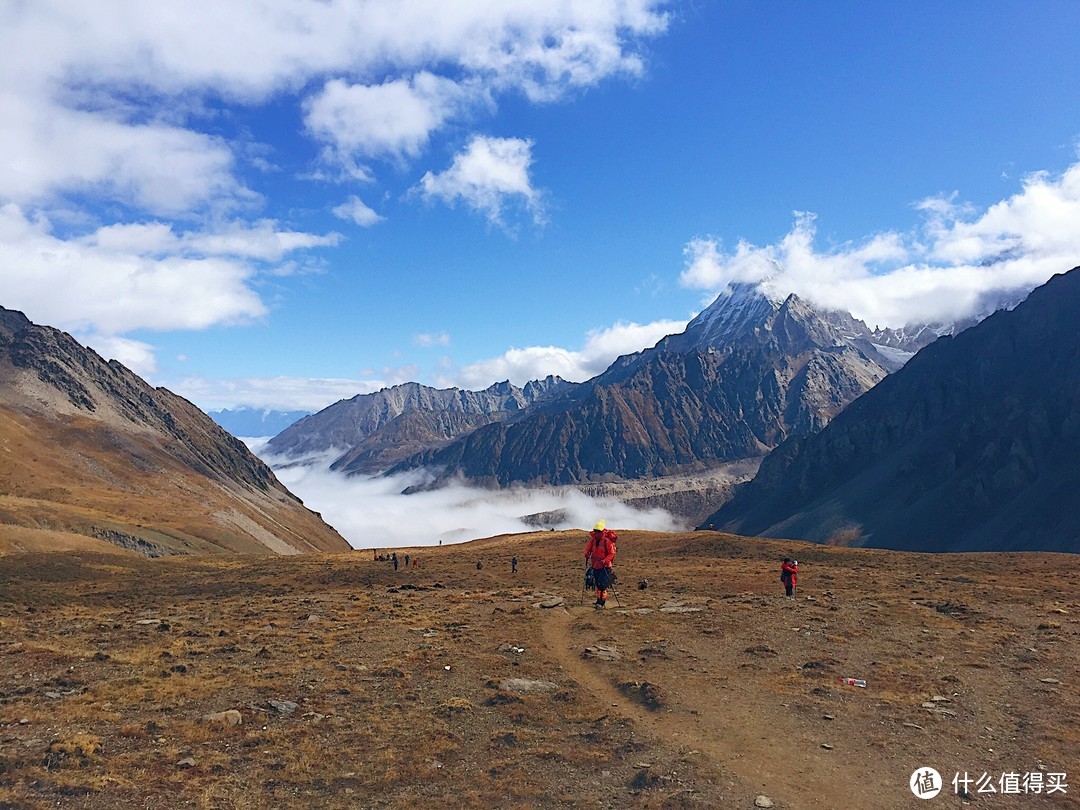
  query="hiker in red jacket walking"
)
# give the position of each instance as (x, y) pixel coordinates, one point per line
(789, 571)
(600, 554)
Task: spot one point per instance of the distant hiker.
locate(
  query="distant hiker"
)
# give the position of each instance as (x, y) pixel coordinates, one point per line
(406, 560)
(600, 556)
(415, 562)
(513, 565)
(479, 564)
(789, 570)
(393, 559)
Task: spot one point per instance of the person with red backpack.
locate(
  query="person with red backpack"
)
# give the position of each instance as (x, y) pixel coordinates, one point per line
(600, 556)
(789, 570)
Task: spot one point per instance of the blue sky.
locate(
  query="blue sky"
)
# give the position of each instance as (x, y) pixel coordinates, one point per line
(281, 204)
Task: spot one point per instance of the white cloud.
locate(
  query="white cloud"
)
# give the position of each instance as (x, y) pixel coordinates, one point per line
(427, 341)
(355, 210)
(87, 89)
(50, 149)
(940, 273)
(368, 511)
(487, 176)
(136, 355)
(602, 347)
(141, 275)
(393, 119)
(272, 393)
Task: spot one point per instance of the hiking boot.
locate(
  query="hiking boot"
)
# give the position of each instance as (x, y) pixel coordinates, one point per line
(603, 602)
(599, 605)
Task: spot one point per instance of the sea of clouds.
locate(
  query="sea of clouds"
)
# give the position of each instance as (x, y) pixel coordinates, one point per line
(373, 512)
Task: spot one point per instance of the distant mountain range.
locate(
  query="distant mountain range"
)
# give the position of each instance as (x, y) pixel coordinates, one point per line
(750, 371)
(973, 445)
(92, 451)
(371, 432)
(255, 422)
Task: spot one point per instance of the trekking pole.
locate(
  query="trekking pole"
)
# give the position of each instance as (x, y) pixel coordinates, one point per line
(615, 593)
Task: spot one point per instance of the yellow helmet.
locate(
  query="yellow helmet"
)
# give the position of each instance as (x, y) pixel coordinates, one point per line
(599, 527)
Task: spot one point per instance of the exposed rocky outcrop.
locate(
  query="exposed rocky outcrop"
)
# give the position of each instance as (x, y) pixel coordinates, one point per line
(973, 445)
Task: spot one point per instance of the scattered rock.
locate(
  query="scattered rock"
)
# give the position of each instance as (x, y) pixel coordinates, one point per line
(645, 779)
(763, 801)
(229, 717)
(186, 762)
(827, 747)
(914, 725)
(263, 653)
(282, 707)
(648, 694)
(550, 602)
(601, 653)
(1041, 680)
(526, 686)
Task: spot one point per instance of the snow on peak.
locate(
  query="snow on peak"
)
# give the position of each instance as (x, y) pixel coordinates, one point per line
(737, 311)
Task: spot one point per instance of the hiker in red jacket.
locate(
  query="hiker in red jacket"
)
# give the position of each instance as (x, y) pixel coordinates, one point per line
(600, 554)
(789, 570)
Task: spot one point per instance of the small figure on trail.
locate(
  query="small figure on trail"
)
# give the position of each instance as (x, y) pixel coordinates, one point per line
(513, 565)
(479, 564)
(393, 559)
(415, 562)
(406, 560)
(789, 570)
(600, 555)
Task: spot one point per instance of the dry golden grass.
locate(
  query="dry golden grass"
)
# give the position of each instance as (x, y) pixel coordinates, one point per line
(446, 686)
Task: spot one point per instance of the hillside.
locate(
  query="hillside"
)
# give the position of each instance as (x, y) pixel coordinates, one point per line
(973, 445)
(448, 686)
(93, 454)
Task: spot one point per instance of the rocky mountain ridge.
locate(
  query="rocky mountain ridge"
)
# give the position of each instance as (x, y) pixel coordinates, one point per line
(370, 432)
(746, 373)
(971, 446)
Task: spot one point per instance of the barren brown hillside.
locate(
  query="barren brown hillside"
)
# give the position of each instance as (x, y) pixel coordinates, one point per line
(445, 685)
(91, 454)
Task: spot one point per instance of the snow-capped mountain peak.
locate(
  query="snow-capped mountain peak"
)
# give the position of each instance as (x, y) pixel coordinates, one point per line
(737, 311)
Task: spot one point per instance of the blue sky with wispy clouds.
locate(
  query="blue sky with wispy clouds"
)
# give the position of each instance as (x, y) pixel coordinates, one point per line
(282, 203)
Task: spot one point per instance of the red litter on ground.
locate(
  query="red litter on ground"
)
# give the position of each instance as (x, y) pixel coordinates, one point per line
(854, 682)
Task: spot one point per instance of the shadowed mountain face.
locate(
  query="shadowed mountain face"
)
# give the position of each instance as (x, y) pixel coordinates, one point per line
(91, 450)
(973, 445)
(746, 374)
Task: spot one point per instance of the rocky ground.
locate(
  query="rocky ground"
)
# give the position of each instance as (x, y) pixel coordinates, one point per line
(335, 681)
